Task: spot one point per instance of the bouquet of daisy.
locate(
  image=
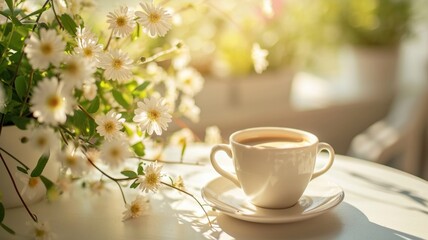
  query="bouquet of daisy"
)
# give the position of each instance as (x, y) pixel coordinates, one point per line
(93, 99)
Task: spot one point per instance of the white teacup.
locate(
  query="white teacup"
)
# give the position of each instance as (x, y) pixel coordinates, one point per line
(273, 165)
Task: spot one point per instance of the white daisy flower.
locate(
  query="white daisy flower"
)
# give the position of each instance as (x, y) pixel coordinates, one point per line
(156, 21)
(51, 102)
(213, 135)
(156, 73)
(117, 66)
(109, 125)
(151, 180)
(171, 92)
(89, 91)
(48, 49)
(182, 60)
(42, 231)
(76, 71)
(97, 187)
(85, 34)
(44, 139)
(121, 22)
(153, 115)
(89, 49)
(136, 209)
(92, 155)
(183, 136)
(32, 185)
(189, 81)
(258, 55)
(114, 152)
(189, 109)
(179, 183)
(73, 158)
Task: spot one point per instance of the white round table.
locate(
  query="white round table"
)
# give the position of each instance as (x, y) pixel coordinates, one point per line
(380, 203)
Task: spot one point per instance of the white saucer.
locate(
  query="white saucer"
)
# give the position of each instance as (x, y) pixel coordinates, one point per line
(320, 196)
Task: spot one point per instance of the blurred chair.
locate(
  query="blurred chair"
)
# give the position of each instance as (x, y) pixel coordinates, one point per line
(398, 140)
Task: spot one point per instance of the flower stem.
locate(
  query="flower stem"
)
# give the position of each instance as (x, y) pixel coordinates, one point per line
(159, 54)
(14, 158)
(108, 41)
(33, 216)
(86, 112)
(27, 94)
(110, 177)
(56, 15)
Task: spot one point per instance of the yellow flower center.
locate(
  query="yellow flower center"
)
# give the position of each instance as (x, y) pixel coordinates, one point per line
(152, 179)
(135, 208)
(121, 21)
(115, 153)
(109, 127)
(71, 160)
(153, 114)
(54, 102)
(72, 68)
(188, 81)
(46, 48)
(88, 52)
(41, 142)
(154, 17)
(117, 64)
(33, 181)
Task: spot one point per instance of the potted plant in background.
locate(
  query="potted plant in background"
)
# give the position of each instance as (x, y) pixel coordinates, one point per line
(375, 30)
(90, 99)
(249, 54)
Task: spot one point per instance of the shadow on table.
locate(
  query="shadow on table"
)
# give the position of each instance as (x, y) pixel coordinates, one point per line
(344, 222)
(394, 189)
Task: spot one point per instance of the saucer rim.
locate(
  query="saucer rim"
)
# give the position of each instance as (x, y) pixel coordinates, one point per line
(336, 199)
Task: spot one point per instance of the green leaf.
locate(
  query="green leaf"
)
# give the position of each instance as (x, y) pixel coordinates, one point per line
(139, 149)
(21, 86)
(92, 126)
(21, 122)
(21, 169)
(48, 183)
(134, 184)
(183, 150)
(10, 4)
(80, 120)
(2, 212)
(34, 13)
(94, 106)
(119, 97)
(142, 87)
(130, 174)
(140, 169)
(43, 160)
(8, 229)
(68, 24)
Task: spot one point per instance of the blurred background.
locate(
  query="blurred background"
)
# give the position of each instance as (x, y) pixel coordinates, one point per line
(354, 72)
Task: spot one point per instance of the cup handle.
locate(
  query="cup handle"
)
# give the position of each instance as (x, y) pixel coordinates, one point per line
(221, 171)
(330, 150)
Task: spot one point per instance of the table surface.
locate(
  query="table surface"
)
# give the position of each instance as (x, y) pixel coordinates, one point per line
(380, 203)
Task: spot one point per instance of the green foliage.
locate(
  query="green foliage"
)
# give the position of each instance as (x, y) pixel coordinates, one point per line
(69, 25)
(2, 214)
(130, 174)
(41, 164)
(139, 149)
(376, 22)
